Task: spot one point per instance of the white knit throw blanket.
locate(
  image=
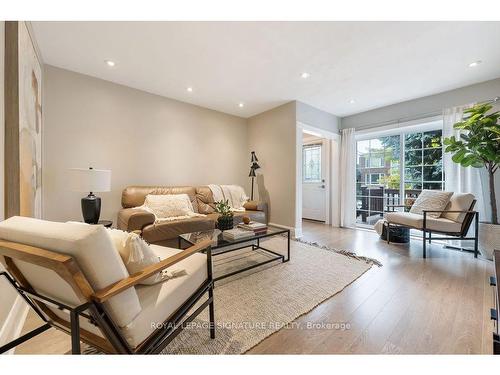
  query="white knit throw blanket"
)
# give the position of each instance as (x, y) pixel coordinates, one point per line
(233, 193)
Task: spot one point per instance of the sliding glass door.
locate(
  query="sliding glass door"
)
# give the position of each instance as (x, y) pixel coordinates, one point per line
(392, 170)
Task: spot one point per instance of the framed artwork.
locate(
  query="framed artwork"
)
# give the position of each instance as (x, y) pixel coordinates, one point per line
(23, 123)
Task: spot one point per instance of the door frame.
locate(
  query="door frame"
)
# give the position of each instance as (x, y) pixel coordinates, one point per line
(332, 144)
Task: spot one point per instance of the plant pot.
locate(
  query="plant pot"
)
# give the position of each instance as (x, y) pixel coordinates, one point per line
(489, 239)
(225, 222)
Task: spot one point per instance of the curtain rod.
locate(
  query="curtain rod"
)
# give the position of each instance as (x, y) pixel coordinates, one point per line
(416, 117)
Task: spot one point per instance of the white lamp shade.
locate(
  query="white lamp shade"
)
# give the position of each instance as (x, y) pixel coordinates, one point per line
(89, 180)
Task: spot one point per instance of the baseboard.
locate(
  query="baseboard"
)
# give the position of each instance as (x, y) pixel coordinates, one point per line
(294, 232)
(13, 325)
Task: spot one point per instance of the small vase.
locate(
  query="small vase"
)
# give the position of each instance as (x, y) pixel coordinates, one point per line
(225, 222)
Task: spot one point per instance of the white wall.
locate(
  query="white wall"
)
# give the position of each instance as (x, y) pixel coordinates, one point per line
(426, 105)
(143, 138)
(312, 116)
(272, 136)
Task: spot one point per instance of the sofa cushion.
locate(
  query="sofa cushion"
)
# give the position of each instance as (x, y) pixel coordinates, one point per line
(417, 221)
(458, 202)
(205, 200)
(165, 230)
(134, 196)
(90, 246)
(160, 301)
(431, 200)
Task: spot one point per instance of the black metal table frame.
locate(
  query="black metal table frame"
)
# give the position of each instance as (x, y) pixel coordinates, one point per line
(276, 256)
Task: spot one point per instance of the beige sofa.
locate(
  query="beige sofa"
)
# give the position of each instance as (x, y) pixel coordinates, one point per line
(166, 233)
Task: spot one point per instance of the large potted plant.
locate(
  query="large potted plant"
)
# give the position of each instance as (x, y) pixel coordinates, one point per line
(479, 147)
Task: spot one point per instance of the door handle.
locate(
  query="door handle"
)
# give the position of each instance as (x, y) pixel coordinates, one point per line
(322, 186)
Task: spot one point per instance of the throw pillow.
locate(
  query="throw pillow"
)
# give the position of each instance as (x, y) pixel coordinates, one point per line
(135, 253)
(169, 205)
(431, 200)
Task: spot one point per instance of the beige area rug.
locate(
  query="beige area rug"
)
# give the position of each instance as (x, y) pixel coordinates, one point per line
(253, 305)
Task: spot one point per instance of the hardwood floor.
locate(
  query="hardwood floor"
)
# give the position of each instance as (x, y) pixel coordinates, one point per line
(438, 305)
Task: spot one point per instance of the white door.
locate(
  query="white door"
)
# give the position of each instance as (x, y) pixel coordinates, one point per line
(313, 181)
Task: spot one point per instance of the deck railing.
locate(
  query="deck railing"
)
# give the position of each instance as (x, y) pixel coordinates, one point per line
(375, 198)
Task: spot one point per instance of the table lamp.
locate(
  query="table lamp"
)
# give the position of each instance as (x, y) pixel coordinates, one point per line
(90, 180)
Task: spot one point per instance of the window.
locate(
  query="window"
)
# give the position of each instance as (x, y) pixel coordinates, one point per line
(311, 159)
(377, 171)
(380, 163)
(376, 161)
(423, 162)
(374, 178)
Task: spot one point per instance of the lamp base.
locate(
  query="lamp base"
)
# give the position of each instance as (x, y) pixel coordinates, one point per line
(91, 208)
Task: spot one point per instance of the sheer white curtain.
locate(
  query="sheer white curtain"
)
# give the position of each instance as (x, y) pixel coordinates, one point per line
(348, 179)
(457, 178)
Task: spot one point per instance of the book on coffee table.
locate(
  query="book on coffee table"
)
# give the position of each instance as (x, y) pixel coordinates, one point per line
(237, 234)
(253, 226)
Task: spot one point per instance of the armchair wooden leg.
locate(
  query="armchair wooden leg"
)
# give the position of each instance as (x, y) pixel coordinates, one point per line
(424, 244)
(430, 237)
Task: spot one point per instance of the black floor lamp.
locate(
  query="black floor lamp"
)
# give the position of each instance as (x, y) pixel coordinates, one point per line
(253, 167)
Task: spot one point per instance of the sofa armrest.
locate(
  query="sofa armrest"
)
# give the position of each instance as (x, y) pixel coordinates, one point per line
(131, 219)
(255, 206)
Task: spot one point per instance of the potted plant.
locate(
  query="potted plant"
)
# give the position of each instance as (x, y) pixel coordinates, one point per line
(479, 147)
(225, 219)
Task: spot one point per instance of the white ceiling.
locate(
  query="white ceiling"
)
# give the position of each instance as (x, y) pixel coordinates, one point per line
(260, 63)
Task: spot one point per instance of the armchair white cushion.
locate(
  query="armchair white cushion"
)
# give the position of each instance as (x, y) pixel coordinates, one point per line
(161, 300)
(89, 245)
(409, 219)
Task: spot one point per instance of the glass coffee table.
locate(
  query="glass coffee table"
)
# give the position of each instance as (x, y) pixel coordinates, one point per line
(221, 246)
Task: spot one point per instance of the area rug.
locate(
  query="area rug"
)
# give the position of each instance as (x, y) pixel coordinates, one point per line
(253, 305)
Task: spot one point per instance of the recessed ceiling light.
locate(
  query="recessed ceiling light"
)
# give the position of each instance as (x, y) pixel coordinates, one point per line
(352, 101)
(110, 63)
(189, 89)
(241, 105)
(305, 75)
(475, 63)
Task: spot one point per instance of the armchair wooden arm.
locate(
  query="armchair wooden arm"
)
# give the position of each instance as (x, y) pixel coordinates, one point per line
(118, 287)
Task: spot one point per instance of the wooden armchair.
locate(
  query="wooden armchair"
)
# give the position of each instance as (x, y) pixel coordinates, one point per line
(61, 280)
